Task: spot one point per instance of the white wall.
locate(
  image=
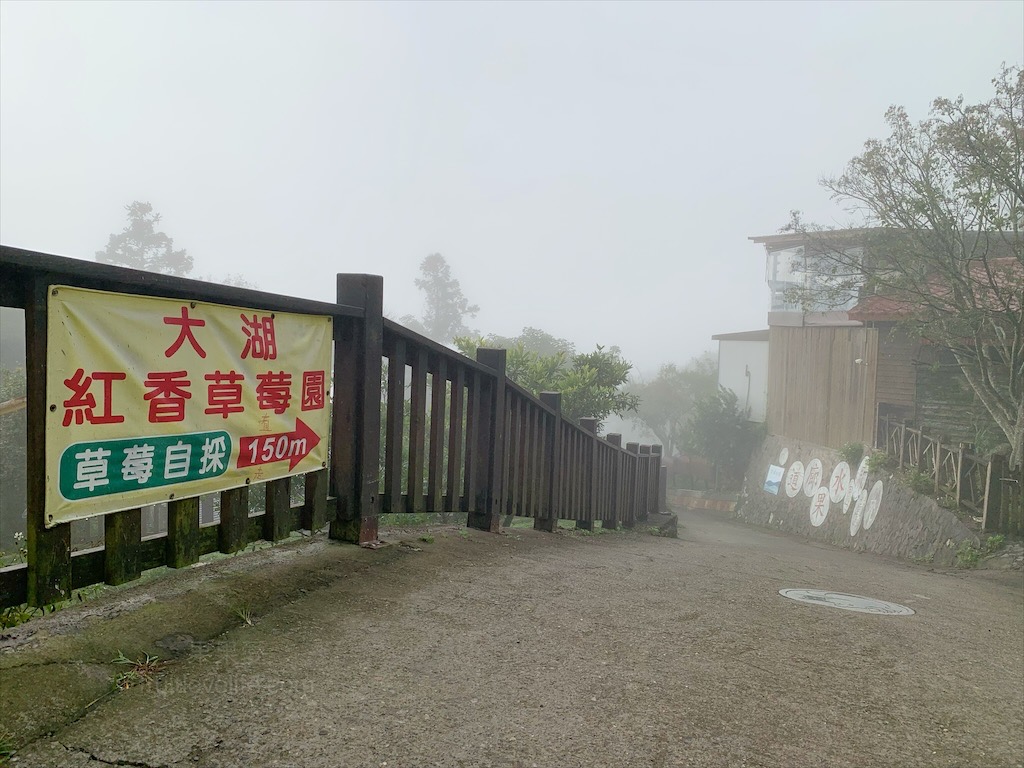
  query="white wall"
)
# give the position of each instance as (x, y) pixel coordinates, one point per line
(737, 359)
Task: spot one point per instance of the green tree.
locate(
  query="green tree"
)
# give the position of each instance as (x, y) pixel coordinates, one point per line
(719, 431)
(446, 308)
(591, 384)
(140, 246)
(942, 203)
(666, 401)
(533, 340)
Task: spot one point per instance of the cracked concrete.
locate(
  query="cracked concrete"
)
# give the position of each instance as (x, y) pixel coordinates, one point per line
(558, 651)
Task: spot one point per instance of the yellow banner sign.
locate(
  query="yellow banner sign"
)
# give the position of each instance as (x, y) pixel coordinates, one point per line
(151, 399)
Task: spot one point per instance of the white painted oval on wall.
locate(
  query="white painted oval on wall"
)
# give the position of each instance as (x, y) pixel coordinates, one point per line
(812, 477)
(839, 483)
(858, 514)
(795, 479)
(874, 502)
(861, 479)
(819, 507)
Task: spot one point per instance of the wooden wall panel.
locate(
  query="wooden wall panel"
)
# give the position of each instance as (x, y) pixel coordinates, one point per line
(816, 389)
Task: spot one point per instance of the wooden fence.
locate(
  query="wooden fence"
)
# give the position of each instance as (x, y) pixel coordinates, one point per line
(463, 440)
(980, 484)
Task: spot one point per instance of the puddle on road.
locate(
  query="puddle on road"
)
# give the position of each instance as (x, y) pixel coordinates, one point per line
(847, 602)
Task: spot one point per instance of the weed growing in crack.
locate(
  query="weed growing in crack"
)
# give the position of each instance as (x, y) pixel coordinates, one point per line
(244, 612)
(6, 748)
(16, 614)
(139, 671)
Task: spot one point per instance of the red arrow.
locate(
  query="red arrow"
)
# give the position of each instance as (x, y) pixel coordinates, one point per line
(266, 449)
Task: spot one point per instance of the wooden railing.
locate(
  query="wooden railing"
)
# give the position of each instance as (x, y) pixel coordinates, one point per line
(977, 483)
(415, 427)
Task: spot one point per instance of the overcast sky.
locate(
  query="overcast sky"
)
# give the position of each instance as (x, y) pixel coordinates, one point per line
(591, 169)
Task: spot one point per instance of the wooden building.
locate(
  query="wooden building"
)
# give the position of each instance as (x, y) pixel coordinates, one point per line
(834, 374)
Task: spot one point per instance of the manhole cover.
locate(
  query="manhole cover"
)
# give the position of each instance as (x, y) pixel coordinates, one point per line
(857, 603)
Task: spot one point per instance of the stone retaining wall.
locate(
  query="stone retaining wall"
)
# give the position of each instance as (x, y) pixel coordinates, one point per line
(807, 489)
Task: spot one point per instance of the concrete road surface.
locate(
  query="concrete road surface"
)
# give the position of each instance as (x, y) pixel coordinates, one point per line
(622, 649)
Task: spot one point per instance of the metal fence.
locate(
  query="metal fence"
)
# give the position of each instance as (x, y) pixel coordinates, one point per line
(415, 427)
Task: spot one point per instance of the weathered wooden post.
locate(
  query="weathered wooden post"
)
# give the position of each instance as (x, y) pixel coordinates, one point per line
(49, 549)
(644, 506)
(486, 508)
(277, 510)
(992, 507)
(355, 435)
(122, 544)
(182, 532)
(959, 473)
(663, 489)
(553, 450)
(456, 453)
(417, 432)
(590, 490)
(314, 506)
(394, 425)
(632, 485)
(438, 402)
(659, 480)
(611, 520)
(233, 532)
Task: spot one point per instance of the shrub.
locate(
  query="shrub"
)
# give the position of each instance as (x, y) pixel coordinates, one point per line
(852, 453)
(878, 461)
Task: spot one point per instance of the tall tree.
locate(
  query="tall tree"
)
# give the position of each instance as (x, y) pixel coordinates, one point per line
(446, 308)
(592, 384)
(942, 202)
(533, 340)
(666, 401)
(140, 246)
(719, 431)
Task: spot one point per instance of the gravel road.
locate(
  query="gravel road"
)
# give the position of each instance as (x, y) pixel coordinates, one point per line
(622, 649)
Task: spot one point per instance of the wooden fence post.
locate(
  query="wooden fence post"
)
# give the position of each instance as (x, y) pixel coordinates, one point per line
(992, 508)
(632, 486)
(644, 506)
(355, 436)
(485, 510)
(314, 506)
(417, 435)
(233, 531)
(49, 549)
(611, 521)
(553, 449)
(182, 532)
(277, 510)
(590, 472)
(658, 481)
(122, 544)
(959, 474)
(438, 401)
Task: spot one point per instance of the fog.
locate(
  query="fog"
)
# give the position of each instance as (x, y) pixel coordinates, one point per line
(593, 170)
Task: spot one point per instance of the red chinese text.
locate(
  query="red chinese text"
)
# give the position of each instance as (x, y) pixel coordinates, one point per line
(314, 384)
(80, 407)
(224, 393)
(260, 341)
(167, 396)
(274, 391)
(185, 325)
